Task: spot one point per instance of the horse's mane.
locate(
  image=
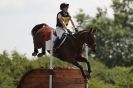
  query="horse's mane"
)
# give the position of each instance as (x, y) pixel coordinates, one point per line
(86, 30)
(80, 32)
(36, 28)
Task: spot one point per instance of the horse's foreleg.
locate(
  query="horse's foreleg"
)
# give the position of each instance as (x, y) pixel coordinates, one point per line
(89, 67)
(82, 59)
(81, 69)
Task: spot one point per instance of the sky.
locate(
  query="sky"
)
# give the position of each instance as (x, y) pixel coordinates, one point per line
(18, 17)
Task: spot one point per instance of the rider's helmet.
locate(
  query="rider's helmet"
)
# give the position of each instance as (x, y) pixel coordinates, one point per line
(63, 5)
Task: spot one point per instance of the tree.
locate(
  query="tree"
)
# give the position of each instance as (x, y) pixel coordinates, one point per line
(114, 36)
(123, 12)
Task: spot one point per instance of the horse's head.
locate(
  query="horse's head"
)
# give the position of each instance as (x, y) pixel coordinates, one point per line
(90, 39)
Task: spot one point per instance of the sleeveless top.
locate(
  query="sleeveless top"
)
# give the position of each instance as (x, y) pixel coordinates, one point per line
(66, 19)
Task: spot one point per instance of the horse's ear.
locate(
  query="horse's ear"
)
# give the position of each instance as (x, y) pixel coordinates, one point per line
(93, 31)
(90, 30)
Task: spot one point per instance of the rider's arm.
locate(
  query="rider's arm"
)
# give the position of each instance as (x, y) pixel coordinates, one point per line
(61, 21)
(72, 23)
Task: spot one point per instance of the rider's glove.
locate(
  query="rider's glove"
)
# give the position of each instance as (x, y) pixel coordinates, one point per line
(76, 30)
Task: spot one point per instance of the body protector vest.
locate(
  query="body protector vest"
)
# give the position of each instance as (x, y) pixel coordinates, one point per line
(66, 18)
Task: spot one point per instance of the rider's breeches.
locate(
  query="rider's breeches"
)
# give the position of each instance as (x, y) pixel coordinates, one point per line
(60, 31)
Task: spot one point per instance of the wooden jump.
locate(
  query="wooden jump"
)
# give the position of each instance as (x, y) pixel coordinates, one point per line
(62, 78)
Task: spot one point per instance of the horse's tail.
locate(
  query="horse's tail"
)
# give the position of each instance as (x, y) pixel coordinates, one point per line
(36, 28)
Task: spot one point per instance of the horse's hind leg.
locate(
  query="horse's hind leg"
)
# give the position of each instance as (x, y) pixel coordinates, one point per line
(35, 52)
(43, 51)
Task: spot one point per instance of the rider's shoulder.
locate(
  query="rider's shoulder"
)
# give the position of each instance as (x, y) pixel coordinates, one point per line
(60, 12)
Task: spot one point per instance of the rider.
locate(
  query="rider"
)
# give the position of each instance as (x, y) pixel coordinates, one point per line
(63, 18)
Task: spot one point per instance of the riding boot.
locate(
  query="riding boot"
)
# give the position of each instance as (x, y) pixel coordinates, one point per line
(57, 43)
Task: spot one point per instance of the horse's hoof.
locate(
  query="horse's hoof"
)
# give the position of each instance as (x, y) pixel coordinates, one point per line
(40, 54)
(48, 51)
(88, 75)
(34, 54)
(86, 80)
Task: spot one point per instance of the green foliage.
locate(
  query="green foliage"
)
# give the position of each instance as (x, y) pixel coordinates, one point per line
(123, 10)
(82, 19)
(117, 77)
(14, 66)
(114, 35)
(96, 83)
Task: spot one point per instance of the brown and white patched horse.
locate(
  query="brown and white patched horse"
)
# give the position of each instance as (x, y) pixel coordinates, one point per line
(71, 50)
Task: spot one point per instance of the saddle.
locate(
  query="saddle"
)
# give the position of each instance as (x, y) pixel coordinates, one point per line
(58, 42)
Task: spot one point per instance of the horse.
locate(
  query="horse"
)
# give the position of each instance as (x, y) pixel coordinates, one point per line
(71, 50)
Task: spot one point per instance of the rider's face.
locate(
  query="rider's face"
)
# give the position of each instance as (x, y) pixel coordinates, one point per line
(66, 9)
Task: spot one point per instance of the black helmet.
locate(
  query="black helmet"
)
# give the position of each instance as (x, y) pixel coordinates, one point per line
(63, 5)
